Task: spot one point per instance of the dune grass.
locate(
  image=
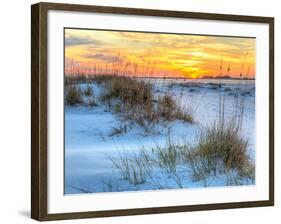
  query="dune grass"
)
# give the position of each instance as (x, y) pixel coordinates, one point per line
(220, 149)
(136, 169)
(170, 109)
(88, 91)
(77, 96)
(73, 95)
(136, 101)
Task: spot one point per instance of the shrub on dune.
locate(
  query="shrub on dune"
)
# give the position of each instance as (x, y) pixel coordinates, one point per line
(73, 95)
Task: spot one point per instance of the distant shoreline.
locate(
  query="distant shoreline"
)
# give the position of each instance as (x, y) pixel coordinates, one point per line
(185, 78)
(203, 78)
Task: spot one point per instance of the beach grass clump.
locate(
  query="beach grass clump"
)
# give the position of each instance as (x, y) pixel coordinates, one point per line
(221, 147)
(129, 97)
(225, 143)
(169, 109)
(135, 168)
(166, 107)
(129, 91)
(135, 100)
(218, 150)
(168, 156)
(89, 91)
(73, 95)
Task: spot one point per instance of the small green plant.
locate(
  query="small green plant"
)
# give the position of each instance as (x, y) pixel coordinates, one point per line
(117, 108)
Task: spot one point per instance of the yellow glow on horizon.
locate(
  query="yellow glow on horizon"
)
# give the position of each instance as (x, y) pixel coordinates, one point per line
(153, 54)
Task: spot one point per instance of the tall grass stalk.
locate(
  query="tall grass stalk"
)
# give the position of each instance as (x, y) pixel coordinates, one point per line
(135, 168)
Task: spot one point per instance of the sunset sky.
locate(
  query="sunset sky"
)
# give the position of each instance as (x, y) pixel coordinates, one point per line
(154, 54)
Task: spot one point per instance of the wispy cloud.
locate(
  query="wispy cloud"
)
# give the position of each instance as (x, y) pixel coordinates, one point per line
(106, 58)
(73, 41)
(187, 55)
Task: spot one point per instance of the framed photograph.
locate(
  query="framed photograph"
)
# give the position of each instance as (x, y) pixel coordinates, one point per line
(139, 111)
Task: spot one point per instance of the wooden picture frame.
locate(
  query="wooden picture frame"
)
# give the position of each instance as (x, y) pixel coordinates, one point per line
(39, 110)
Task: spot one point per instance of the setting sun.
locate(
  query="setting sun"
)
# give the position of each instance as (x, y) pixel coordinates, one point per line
(158, 55)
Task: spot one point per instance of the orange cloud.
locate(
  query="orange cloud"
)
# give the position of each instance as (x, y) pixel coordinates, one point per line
(154, 54)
